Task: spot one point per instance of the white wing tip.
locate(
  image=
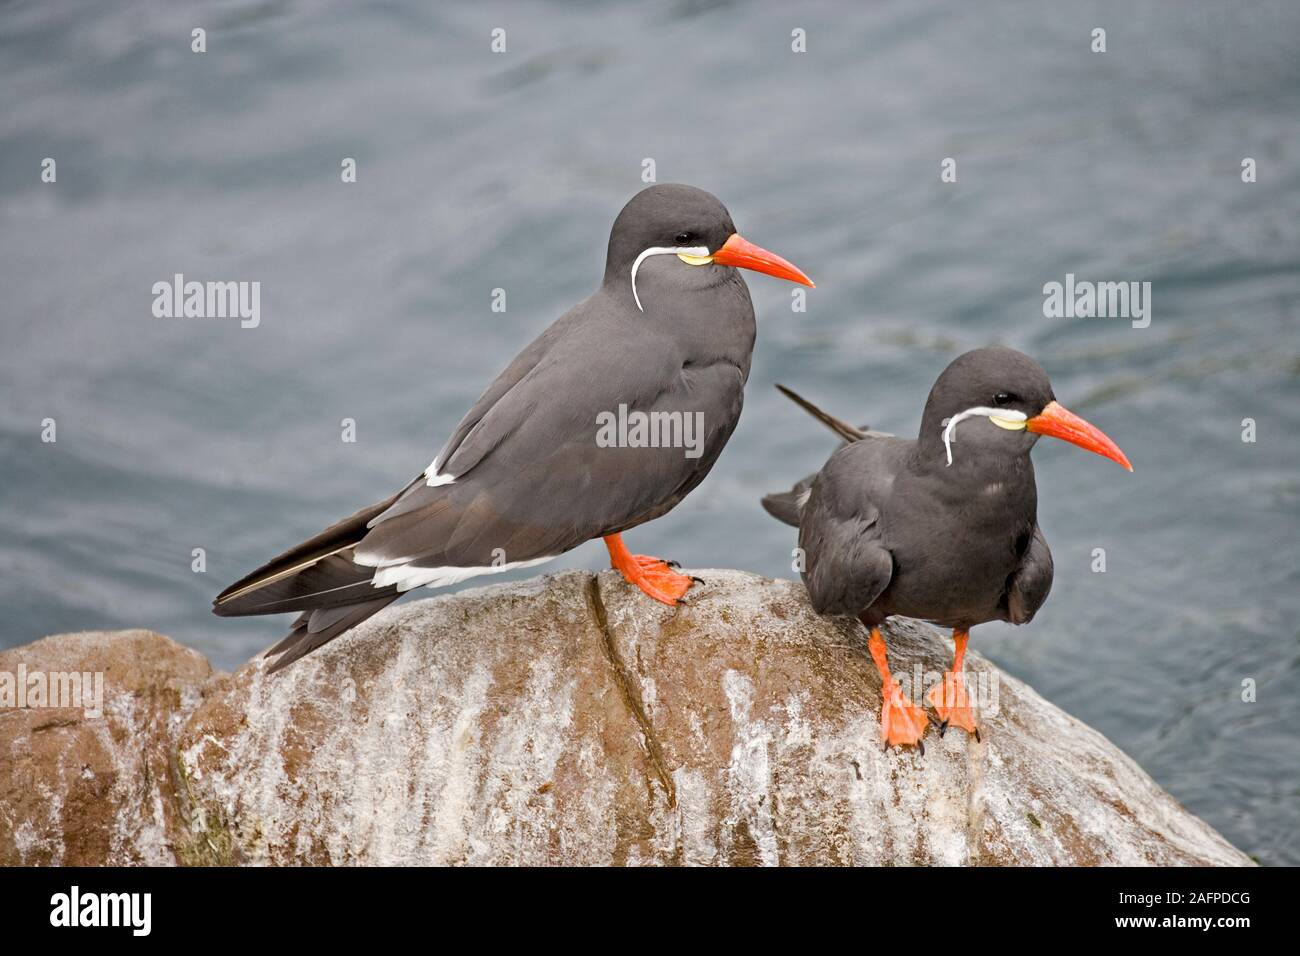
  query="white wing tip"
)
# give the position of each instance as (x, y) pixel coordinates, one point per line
(406, 577)
(433, 479)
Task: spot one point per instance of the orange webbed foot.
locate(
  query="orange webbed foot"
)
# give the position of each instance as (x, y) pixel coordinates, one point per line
(902, 723)
(658, 580)
(952, 704)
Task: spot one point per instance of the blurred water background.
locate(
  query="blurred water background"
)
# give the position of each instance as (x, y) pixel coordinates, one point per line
(481, 170)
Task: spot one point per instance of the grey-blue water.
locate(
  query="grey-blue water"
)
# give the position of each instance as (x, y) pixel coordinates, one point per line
(479, 171)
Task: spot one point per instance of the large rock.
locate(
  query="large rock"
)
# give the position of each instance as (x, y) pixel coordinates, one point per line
(567, 720)
(78, 790)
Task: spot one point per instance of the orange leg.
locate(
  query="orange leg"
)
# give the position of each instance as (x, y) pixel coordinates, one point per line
(901, 722)
(651, 575)
(949, 697)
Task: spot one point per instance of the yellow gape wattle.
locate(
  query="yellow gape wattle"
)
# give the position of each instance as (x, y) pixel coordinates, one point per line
(694, 260)
(1010, 424)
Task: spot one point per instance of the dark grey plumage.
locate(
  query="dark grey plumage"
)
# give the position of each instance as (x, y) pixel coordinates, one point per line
(785, 505)
(529, 480)
(888, 527)
(943, 528)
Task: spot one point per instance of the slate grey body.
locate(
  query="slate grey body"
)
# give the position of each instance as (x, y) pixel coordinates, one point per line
(530, 481)
(889, 528)
(530, 478)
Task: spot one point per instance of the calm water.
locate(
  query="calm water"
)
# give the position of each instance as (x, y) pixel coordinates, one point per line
(479, 171)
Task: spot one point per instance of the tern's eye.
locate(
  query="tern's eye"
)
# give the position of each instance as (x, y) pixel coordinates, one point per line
(1003, 398)
(684, 238)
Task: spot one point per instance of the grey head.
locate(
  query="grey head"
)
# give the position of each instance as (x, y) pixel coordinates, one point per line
(988, 408)
(985, 390)
(680, 238)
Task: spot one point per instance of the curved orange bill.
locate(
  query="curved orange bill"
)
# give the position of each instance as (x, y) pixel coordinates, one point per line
(743, 254)
(1059, 422)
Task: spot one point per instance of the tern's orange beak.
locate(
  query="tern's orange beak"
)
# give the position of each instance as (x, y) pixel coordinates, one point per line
(1059, 422)
(743, 254)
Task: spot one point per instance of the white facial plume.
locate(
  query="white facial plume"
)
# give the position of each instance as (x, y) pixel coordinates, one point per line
(694, 252)
(1007, 418)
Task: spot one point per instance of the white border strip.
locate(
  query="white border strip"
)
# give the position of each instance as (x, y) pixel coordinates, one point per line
(661, 251)
(950, 424)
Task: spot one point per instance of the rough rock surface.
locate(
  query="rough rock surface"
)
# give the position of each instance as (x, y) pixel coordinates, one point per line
(567, 720)
(78, 790)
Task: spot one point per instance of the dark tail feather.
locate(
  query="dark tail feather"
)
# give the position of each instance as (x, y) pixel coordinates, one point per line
(841, 428)
(314, 628)
(333, 581)
(317, 564)
(317, 578)
(787, 506)
(783, 506)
